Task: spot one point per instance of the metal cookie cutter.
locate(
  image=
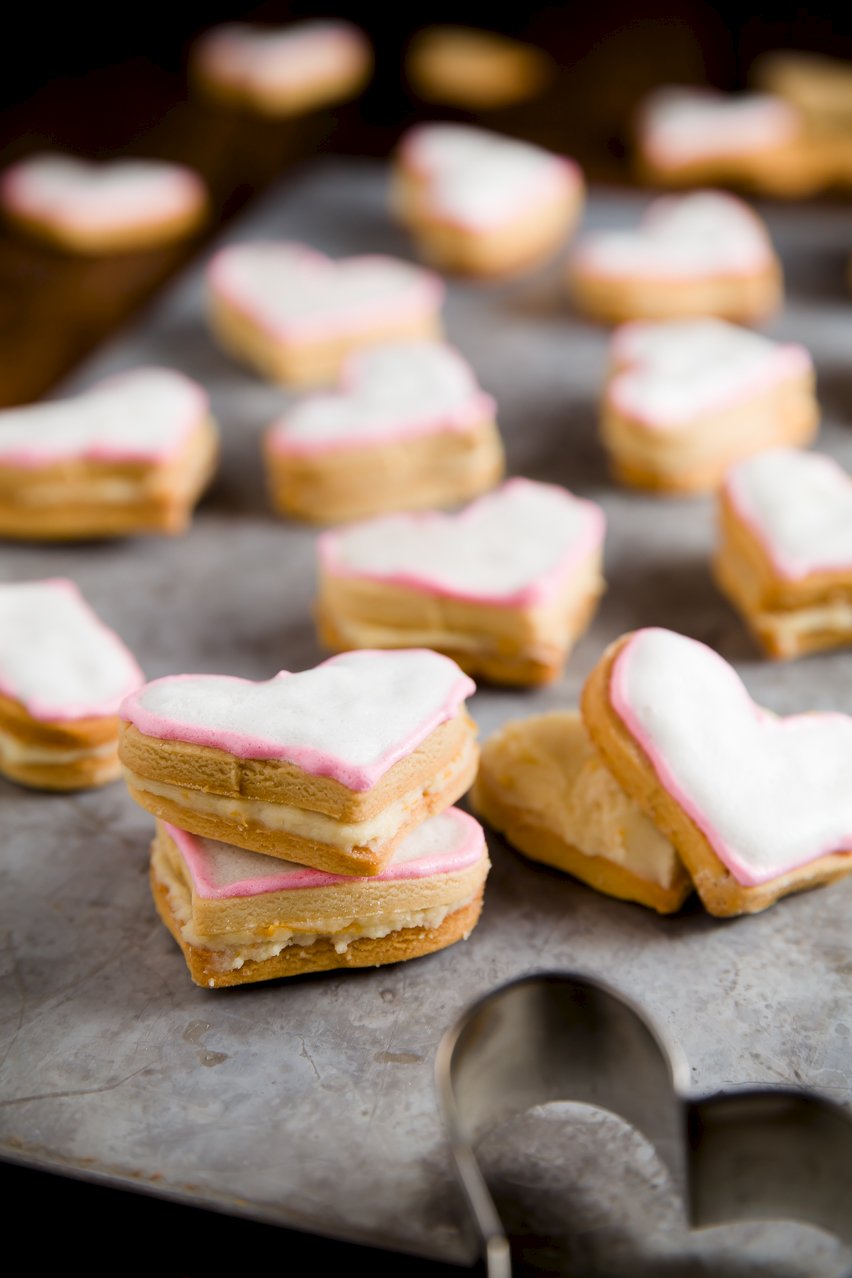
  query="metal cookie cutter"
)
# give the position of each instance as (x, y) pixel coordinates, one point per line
(763, 1154)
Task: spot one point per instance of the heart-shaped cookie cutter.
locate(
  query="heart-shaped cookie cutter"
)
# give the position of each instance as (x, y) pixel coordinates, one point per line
(749, 1154)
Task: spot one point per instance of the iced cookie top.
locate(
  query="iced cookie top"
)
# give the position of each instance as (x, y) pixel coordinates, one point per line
(350, 718)
(687, 125)
(145, 415)
(705, 233)
(392, 391)
(516, 546)
(295, 292)
(799, 506)
(672, 372)
(479, 179)
(273, 59)
(770, 794)
(445, 844)
(57, 658)
(66, 191)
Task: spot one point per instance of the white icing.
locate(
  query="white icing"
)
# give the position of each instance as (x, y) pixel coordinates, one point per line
(143, 415)
(290, 287)
(480, 179)
(401, 387)
(681, 125)
(511, 541)
(270, 58)
(60, 188)
(56, 657)
(351, 717)
(705, 233)
(800, 505)
(771, 794)
(680, 369)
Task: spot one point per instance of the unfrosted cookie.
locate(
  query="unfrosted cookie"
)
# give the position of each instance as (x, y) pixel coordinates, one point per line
(240, 916)
(482, 204)
(133, 454)
(63, 675)
(408, 427)
(111, 207)
(295, 315)
(687, 398)
(688, 137)
(282, 71)
(784, 557)
(701, 254)
(505, 588)
(756, 806)
(543, 785)
(331, 767)
(475, 69)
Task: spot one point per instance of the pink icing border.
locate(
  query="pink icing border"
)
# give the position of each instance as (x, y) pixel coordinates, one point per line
(590, 538)
(620, 701)
(189, 190)
(317, 762)
(43, 710)
(226, 52)
(104, 452)
(585, 258)
(789, 569)
(787, 360)
(423, 296)
(469, 851)
(787, 129)
(560, 174)
(479, 407)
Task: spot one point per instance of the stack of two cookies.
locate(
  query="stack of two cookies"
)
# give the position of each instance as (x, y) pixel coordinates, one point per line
(304, 823)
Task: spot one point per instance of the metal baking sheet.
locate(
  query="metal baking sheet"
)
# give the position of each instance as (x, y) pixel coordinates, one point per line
(310, 1102)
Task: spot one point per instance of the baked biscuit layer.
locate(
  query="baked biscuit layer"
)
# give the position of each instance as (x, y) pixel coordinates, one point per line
(543, 785)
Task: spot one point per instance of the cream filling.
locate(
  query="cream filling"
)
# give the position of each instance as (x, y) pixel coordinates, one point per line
(13, 751)
(316, 826)
(802, 621)
(547, 770)
(106, 491)
(242, 947)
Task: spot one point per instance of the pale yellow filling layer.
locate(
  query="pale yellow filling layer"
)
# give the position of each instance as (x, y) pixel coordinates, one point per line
(300, 822)
(13, 751)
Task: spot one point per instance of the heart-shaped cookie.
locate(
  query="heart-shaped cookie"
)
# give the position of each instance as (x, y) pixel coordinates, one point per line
(700, 254)
(282, 70)
(349, 719)
(756, 805)
(296, 315)
(113, 205)
(145, 415)
(479, 180)
(389, 392)
(670, 374)
(799, 506)
(57, 658)
(515, 547)
(680, 238)
(680, 126)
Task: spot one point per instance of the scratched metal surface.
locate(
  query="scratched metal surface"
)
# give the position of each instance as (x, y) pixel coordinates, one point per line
(310, 1103)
